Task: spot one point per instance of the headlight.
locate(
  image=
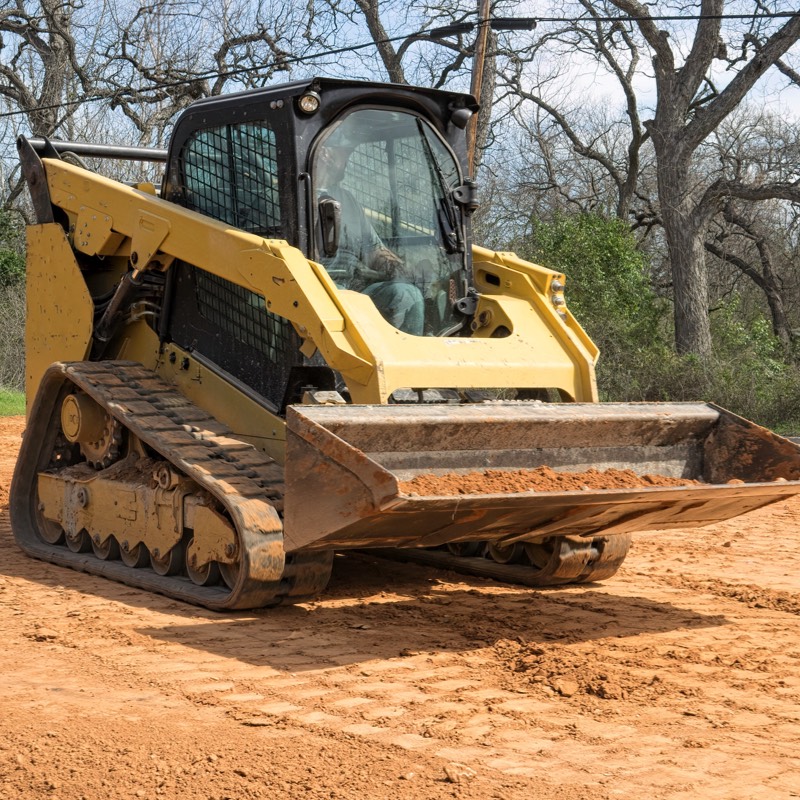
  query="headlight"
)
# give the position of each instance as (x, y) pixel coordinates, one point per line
(309, 103)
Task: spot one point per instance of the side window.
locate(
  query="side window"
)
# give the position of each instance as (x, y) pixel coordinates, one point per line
(231, 174)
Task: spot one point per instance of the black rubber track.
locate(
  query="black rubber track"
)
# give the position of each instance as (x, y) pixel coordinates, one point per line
(247, 483)
(567, 559)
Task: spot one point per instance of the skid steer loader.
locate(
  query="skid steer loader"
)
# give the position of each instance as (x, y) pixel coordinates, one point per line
(236, 374)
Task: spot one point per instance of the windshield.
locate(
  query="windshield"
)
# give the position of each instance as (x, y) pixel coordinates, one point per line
(387, 225)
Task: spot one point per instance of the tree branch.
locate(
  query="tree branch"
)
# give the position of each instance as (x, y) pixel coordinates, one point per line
(708, 118)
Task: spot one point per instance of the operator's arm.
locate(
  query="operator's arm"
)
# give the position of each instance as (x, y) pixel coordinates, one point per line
(375, 261)
(379, 258)
(386, 263)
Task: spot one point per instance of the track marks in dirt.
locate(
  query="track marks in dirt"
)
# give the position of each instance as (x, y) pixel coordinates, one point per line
(464, 671)
(675, 680)
(749, 594)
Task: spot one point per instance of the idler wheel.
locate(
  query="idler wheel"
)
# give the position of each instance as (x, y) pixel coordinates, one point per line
(207, 575)
(135, 557)
(97, 433)
(107, 550)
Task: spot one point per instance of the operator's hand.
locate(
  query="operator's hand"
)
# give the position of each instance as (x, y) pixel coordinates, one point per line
(388, 265)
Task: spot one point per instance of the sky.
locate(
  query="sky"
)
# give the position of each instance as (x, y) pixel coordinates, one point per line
(773, 91)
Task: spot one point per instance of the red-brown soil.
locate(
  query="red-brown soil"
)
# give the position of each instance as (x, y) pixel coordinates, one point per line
(677, 679)
(541, 479)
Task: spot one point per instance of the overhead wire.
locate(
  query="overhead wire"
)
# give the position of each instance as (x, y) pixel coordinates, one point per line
(425, 35)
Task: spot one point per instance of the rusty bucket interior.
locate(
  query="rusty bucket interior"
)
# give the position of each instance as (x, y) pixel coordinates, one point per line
(347, 470)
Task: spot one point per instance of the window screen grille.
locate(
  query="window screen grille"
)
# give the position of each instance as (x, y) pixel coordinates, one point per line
(243, 315)
(231, 174)
(368, 179)
(414, 170)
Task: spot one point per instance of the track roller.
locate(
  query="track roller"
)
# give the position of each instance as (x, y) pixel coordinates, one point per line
(107, 550)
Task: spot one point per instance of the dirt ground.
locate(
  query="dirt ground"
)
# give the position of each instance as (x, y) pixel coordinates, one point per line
(679, 678)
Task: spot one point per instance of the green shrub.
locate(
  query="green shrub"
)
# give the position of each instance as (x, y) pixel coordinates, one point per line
(12, 268)
(608, 289)
(608, 284)
(745, 374)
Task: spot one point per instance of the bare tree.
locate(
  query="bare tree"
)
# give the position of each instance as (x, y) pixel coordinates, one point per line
(45, 66)
(44, 73)
(615, 50)
(164, 56)
(70, 71)
(427, 54)
(689, 108)
(743, 232)
(755, 238)
(701, 72)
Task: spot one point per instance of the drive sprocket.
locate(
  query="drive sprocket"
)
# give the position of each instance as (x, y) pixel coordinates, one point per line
(98, 434)
(108, 448)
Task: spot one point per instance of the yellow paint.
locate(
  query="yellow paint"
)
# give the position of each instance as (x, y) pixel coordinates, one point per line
(248, 420)
(543, 349)
(214, 537)
(130, 508)
(59, 309)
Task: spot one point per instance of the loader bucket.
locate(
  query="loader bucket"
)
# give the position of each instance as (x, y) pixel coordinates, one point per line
(346, 467)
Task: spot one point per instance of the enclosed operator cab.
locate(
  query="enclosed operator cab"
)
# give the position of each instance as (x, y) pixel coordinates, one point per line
(365, 179)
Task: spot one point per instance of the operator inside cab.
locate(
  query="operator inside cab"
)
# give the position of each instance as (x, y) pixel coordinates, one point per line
(362, 261)
(379, 192)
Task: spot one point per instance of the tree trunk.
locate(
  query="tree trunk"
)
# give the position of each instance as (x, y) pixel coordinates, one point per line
(684, 230)
(690, 286)
(780, 324)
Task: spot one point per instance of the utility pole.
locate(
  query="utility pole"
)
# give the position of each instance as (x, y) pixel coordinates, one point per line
(484, 24)
(478, 61)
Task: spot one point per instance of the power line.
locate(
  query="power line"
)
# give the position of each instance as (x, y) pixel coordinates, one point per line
(676, 17)
(529, 23)
(204, 76)
(504, 23)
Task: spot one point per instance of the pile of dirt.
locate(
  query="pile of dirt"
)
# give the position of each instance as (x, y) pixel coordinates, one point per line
(541, 479)
(576, 671)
